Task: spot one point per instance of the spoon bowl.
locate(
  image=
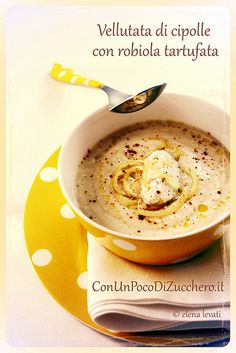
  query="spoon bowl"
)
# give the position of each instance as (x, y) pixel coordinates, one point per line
(121, 103)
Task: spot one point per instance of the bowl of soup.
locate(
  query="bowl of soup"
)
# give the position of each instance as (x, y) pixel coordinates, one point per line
(152, 186)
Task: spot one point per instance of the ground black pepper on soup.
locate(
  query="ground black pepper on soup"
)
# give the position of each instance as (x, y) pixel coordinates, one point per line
(154, 178)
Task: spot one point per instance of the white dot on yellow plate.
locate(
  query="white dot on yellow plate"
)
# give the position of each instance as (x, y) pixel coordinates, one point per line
(41, 257)
(66, 211)
(123, 244)
(48, 174)
(82, 280)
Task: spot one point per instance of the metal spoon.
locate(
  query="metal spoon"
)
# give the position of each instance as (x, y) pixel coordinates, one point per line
(119, 102)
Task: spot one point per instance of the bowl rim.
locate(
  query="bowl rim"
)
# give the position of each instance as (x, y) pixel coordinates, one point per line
(120, 234)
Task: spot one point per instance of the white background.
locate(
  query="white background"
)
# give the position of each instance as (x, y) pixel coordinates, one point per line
(41, 113)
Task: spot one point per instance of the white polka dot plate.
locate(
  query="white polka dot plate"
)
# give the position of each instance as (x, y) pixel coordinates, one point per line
(57, 246)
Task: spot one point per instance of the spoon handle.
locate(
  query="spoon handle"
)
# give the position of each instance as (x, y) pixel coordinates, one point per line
(60, 73)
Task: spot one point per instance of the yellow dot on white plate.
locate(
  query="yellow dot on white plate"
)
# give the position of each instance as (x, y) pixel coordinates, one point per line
(48, 174)
(82, 280)
(66, 211)
(123, 244)
(41, 257)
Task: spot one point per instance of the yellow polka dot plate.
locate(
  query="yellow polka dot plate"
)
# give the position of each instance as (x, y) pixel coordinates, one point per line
(57, 247)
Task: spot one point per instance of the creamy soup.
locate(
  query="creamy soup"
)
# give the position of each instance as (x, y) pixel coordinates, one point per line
(154, 178)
